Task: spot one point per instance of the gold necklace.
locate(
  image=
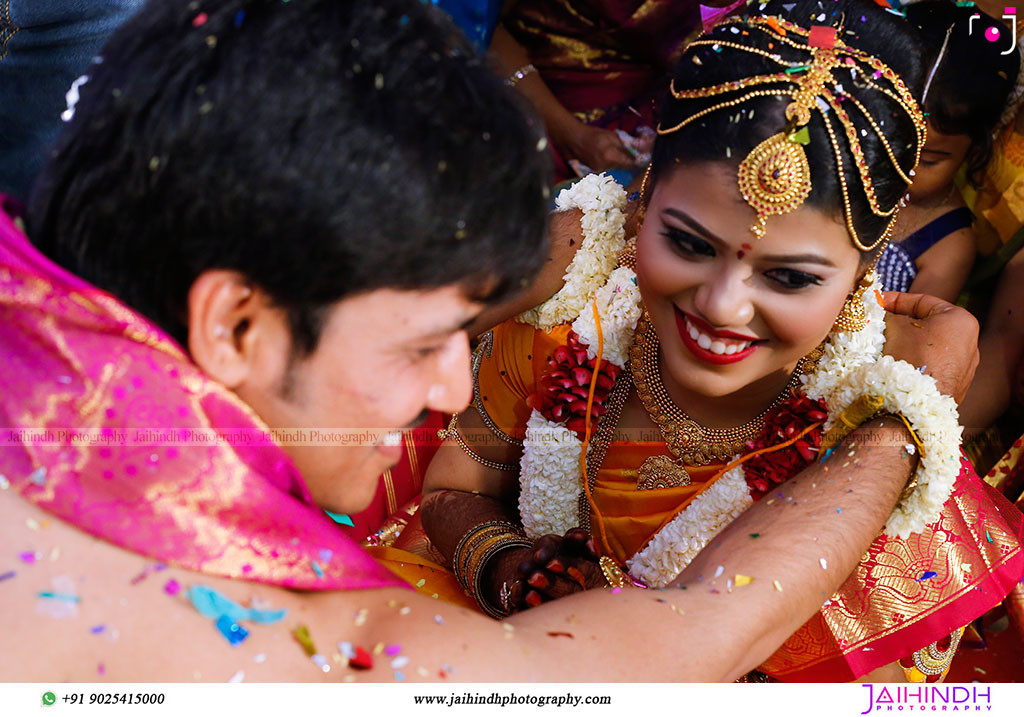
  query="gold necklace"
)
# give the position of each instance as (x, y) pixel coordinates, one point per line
(692, 443)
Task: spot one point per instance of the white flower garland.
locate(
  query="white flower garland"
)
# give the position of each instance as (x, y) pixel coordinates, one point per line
(618, 305)
(550, 478)
(601, 199)
(852, 365)
(675, 545)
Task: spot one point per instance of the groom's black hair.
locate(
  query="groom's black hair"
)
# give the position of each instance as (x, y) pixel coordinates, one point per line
(728, 135)
(321, 148)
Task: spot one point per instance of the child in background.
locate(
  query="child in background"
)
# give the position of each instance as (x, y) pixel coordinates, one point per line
(933, 244)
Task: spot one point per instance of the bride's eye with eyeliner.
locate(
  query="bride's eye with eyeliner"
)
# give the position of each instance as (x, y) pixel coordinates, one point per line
(792, 279)
(688, 243)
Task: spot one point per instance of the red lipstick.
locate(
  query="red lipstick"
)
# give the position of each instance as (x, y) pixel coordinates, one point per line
(704, 354)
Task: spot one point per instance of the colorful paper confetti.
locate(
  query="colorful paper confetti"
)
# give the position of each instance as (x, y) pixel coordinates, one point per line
(340, 518)
(213, 604)
(234, 633)
(302, 636)
(361, 659)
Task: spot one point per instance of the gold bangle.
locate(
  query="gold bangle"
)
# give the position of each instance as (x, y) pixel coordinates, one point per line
(453, 432)
(483, 557)
(470, 542)
(519, 74)
(475, 551)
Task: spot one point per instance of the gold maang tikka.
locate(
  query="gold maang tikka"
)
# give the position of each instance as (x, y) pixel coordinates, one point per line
(775, 177)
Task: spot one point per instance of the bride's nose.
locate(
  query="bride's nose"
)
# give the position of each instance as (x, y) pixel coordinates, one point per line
(725, 300)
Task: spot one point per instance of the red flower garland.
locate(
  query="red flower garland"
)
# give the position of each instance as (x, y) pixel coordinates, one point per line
(561, 395)
(786, 420)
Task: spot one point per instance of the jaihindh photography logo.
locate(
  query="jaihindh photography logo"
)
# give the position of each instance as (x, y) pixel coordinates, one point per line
(928, 698)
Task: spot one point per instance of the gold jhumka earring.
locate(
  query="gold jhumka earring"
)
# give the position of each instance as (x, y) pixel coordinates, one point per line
(854, 315)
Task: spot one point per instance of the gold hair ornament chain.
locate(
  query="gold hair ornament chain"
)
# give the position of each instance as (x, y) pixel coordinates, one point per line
(775, 177)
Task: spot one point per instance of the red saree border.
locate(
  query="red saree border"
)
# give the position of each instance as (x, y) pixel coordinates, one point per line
(923, 629)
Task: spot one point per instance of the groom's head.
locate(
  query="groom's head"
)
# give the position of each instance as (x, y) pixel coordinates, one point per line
(313, 196)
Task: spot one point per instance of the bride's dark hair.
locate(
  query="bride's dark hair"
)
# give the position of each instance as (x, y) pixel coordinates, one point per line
(729, 134)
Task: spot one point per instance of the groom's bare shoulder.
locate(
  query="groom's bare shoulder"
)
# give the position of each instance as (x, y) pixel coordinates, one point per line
(79, 609)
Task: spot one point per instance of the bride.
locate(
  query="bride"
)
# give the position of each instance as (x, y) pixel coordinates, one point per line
(674, 380)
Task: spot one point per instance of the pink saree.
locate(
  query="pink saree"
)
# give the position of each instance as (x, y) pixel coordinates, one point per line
(108, 425)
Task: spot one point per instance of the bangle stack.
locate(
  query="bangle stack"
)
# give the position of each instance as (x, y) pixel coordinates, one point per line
(519, 74)
(475, 551)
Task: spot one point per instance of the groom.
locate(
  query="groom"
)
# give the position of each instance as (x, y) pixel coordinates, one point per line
(315, 199)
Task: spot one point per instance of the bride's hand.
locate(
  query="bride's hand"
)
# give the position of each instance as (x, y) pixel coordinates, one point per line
(556, 566)
(934, 335)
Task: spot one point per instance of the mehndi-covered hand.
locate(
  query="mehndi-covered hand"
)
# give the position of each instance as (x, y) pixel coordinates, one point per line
(554, 567)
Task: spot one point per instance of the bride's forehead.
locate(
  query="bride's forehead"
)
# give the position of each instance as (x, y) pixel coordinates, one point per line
(708, 195)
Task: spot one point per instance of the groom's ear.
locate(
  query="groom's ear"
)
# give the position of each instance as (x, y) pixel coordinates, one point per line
(231, 326)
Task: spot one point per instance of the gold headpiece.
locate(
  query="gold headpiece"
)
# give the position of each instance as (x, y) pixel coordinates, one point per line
(775, 178)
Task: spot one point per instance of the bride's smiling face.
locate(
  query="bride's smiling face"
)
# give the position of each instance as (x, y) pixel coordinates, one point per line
(732, 310)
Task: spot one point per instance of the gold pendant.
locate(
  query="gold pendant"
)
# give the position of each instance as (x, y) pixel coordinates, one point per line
(661, 472)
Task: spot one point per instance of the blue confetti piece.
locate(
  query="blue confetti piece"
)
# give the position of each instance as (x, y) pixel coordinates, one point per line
(828, 453)
(839, 510)
(317, 569)
(63, 597)
(340, 518)
(38, 476)
(231, 630)
(326, 555)
(212, 604)
(97, 629)
(7, 576)
(929, 574)
(239, 17)
(399, 676)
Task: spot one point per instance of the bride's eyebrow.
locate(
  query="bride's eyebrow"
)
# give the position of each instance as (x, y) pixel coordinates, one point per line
(694, 225)
(799, 259)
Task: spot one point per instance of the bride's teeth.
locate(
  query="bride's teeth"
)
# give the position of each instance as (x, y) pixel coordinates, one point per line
(704, 342)
(731, 349)
(392, 439)
(693, 332)
(717, 347)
